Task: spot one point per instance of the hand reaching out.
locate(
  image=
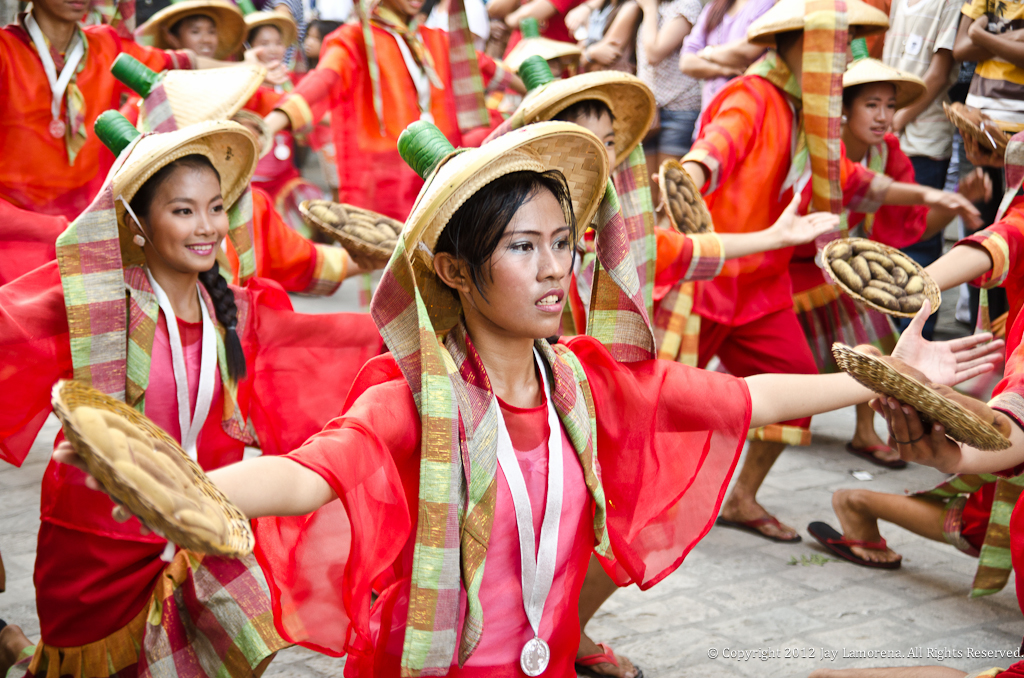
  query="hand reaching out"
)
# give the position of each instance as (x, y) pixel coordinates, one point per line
(955, 203)
(791, 229)
(976, 186)
(947, 362)
(979, 155)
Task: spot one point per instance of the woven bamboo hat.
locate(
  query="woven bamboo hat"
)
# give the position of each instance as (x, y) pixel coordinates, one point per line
(230, 148)
(227, 17)
(533, 44)
(194, 96)
(630, 100)
(453, 177)
(864, 70)
(282, 22)
(788, 15)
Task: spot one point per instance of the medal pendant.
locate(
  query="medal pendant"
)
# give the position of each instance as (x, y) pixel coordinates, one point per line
(282, 152)
(535, 657)
(57, 128)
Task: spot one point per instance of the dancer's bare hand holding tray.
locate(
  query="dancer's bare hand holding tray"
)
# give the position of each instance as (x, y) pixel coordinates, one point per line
(963, 418)
(880, 276)
(370, 238)
(142, 468)
(686, 209)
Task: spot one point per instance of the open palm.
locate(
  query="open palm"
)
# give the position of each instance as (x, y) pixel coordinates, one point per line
(947, 362)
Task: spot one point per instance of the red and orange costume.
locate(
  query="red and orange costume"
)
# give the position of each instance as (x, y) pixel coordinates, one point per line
(370, 172)
(37, 173)
(29, 240)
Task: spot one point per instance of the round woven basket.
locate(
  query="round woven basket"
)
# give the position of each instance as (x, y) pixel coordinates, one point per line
(702, 217)
(931, 288)
(977, 125)
(355, 246)
(877, 375)
(68, 396)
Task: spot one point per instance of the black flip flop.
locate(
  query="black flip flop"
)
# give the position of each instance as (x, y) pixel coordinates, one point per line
(868, 454)
(837, 544)
(752, 525)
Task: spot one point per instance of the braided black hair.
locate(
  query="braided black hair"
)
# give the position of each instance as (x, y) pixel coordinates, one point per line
(227, 315)
(215, 284)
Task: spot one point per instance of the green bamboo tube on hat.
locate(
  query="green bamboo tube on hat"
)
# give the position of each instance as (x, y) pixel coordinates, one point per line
(422, 146)
(115, 131)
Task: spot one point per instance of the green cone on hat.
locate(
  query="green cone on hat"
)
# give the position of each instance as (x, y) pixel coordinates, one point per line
(246, 6)
(859, 49)
(529, 28)
(422, 146)
(115, 131)
(136, 75)
(535, 72)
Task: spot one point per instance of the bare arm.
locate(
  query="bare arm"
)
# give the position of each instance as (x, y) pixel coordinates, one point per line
(697, 172)
(499, 9)
(964, 49)
(790, 229)
(944, 204)
(936, 80)
(609, 48)
(702, 69)
(960, 265)
(660, 43)
(541, 10)
(1006, 48)
(736, 54)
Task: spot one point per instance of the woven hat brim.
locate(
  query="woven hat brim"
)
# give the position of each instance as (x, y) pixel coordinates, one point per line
(545, 48)
(211, 94)
(231, 148)
(285, 24)
(631, 101)
(568, 148)
(864, 71)
(264, 138)
(788, 15)
(230, 24)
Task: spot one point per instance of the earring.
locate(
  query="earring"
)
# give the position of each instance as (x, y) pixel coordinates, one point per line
(139, 240)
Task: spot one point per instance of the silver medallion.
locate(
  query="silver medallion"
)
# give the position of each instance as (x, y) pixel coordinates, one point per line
(282, 152)
(535, 657)
(57, 128)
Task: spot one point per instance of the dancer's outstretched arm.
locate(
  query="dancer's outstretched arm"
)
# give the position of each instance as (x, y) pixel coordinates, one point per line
(781, 397)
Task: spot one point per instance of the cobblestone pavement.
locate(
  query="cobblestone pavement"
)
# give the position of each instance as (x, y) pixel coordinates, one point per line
(734, 595)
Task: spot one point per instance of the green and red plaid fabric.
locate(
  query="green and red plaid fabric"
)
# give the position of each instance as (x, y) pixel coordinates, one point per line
(994, 563)
(467, 83)
(155, 114)
(458, 416)
(120, 14)
(207, 616)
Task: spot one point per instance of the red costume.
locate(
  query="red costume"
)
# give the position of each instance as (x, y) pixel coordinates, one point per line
(36, 173)
(663, 490)
(29, 240)
(370, 172)
(93, 575)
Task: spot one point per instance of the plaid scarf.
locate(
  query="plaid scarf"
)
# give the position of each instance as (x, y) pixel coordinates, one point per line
(111, 345)
(994, 563)
(458, 415)
(75, 132)
(119, 14)
(878, 158)
(371, 14)
(817, 122)
(467, 83)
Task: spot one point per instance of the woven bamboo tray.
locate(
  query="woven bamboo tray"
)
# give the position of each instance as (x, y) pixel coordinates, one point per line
(931, 288)
(699, 219)
(355, 246)
(68, 396)
(972, 122)
(880, 377)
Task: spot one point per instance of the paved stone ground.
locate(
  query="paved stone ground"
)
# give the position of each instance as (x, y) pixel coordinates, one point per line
(735, 594)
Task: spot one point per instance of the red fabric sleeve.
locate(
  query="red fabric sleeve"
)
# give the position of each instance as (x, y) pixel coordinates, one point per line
(730, 127)
(895, 225)
(668, 439)
(157, 59)
(331, 79)
(290, 348)
(28, 240)
(36, 353)
(263, 101)
(321, 567)
(563, 6)
(282, 255)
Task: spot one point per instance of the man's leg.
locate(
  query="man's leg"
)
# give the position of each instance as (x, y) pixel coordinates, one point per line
(597, 588)
(776, 344)
(12, 643)
(860, 510)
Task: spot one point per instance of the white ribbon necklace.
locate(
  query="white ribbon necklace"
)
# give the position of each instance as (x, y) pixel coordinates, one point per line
(190, 427)
(538, 565)
(58, 85)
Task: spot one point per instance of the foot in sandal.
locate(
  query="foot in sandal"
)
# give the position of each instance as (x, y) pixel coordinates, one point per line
(752, 517)
(598, 659)
(857, 525)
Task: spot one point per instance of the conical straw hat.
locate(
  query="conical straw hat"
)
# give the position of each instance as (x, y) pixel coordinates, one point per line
(863, 71)
(195, 96)
(453, 177)
(533, 44)
(630, 100)
(230, 148)
(283, 23)
(227, 17)
(788, 15)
